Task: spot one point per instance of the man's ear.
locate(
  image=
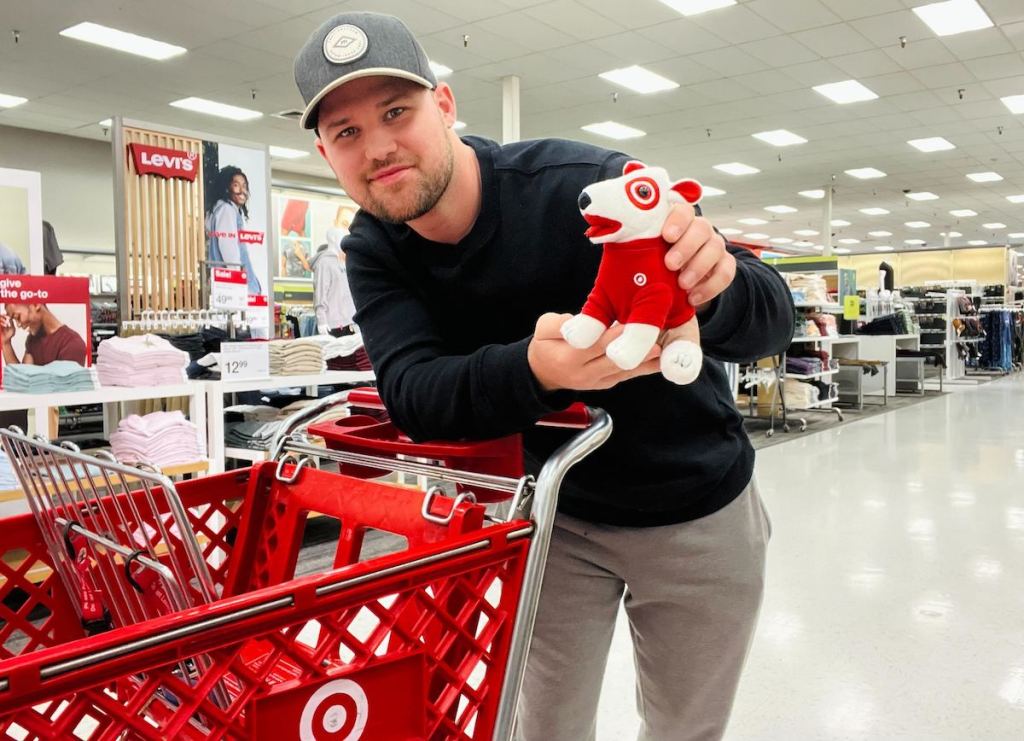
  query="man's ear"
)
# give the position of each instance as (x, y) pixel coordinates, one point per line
(320, 147)
(445, 99)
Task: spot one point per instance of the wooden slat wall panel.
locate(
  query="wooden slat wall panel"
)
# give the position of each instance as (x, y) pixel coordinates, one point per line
(165, 240)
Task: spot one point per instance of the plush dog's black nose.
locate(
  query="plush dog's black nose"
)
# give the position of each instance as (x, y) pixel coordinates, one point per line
(584, 201)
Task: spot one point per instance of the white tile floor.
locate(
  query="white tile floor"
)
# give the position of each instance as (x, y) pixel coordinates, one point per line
(895, 599)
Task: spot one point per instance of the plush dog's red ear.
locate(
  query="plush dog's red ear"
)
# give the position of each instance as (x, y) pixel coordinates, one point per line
(633, 166)
(690, 190)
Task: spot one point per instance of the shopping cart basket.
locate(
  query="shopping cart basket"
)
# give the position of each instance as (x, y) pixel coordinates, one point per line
(425, 643)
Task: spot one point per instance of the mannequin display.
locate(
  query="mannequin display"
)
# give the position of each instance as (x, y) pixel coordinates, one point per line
(332, 298)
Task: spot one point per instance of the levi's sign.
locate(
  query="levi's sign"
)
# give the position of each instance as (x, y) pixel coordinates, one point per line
(167, 163)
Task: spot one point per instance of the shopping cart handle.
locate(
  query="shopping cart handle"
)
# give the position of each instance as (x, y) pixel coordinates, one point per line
(576, 416)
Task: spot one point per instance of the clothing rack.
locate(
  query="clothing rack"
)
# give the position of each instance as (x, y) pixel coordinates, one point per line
(180, 322)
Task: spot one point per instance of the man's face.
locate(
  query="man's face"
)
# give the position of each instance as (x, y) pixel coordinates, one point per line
(27, 316)
(239, 190)
(387, 141)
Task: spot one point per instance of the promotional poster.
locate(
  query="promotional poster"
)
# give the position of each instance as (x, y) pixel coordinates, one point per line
(303, 223)
(44, 319)
(235, 187)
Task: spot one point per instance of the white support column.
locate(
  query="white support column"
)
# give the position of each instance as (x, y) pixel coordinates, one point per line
(509, 109)
(826, 228)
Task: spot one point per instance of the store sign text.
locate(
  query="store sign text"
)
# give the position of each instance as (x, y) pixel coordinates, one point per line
(167, 163)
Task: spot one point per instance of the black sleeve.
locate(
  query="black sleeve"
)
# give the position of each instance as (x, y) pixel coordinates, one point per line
(430, 393)
(753, 317)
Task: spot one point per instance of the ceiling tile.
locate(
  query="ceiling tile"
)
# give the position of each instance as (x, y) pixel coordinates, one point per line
(835, 40)
(900, 82)
(737, 24)
(729, 62)
(683, 36)
(917, 54)
(863, 8)
(769, 81)
(525, 31)
(573, 18)
(944, 76)
(984, 43)
(794, 15)
(632, 15)
(631, 48)
(885, 30)
(866, 64)
(779, 51)
(996, 67)
(813, 73)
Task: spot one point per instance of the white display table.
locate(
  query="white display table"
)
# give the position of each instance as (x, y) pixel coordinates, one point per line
(215, 391)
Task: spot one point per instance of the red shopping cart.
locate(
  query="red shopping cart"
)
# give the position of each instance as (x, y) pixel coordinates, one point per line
(134, 608)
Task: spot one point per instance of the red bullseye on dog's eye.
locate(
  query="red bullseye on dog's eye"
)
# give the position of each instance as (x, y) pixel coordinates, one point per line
(643, 193)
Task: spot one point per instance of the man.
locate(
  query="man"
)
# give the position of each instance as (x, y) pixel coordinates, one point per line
(48, 338)
(465, 260)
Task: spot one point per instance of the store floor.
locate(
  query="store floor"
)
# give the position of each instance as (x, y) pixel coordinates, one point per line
(895, 599)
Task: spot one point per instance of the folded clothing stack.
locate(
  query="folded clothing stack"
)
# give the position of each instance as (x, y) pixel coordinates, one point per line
(254, 435)
(190, 343)
(52, 378)
(160, 438)
(803, 366)
(799, 395)
(304, 356)
(143, 360)
(807, 288)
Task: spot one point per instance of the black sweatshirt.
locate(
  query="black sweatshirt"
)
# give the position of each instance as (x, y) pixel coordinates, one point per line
(447, 327)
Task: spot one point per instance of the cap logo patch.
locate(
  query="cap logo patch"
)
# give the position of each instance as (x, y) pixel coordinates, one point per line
(345, 44)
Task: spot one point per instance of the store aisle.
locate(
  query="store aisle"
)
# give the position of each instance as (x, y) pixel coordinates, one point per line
(895, 602)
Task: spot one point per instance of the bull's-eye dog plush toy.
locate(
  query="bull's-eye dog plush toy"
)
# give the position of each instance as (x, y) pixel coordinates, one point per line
(634, 287)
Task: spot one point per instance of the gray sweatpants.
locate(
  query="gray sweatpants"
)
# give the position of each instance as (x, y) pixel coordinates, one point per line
(692, 594)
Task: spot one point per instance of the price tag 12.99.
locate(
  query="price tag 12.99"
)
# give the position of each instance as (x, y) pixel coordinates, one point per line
(244, 360)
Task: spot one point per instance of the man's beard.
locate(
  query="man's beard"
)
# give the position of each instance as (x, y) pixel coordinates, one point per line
(433, 187)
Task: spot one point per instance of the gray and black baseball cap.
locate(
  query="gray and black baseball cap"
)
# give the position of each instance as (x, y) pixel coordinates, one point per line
(353, 45)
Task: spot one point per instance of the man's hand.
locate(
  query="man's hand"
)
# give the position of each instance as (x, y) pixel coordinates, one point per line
(705, 267)
(6, 329)
(558, 365)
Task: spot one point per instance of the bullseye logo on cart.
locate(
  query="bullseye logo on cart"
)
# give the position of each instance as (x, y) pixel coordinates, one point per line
(167, 163)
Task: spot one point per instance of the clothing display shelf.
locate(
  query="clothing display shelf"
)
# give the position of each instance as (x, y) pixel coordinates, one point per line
(112, 399)
(215, 391)
(937, 330)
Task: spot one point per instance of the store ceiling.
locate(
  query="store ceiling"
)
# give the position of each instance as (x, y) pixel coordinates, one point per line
(741, 69)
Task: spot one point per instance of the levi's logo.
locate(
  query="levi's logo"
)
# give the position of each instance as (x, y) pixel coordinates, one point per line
(168, 163)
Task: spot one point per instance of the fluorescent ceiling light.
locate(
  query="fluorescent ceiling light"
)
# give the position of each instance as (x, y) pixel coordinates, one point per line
(874, 211)
(922, 195)
(780, 138)
(806, 232)
(994, 225)
(977, 243)
(884, 248)
(880, 234)
(839, 222)
(819, 247)
(951, 235)
(708, 191)
(729, 232)
(812, 193)
(914, 241)
(756, 235)
(985, 177)
(1016, 199)
(736, 168)
(849, 240)
(962, 213)
(1014, 102)
(1016, 235)
(639, 80)
(865, 173)
(9, 101)
(696, 7)
(459, 125)
(953, 16)
(439, 70)
(841, 250)
(613, 130)
(111, 38)
(107, 123)
(932, 144)
(847, 91)
(803, 243)
(780, 209)
(753, 221)
(781, 240)
(213, 108)
(286, 153)
(917, 224)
